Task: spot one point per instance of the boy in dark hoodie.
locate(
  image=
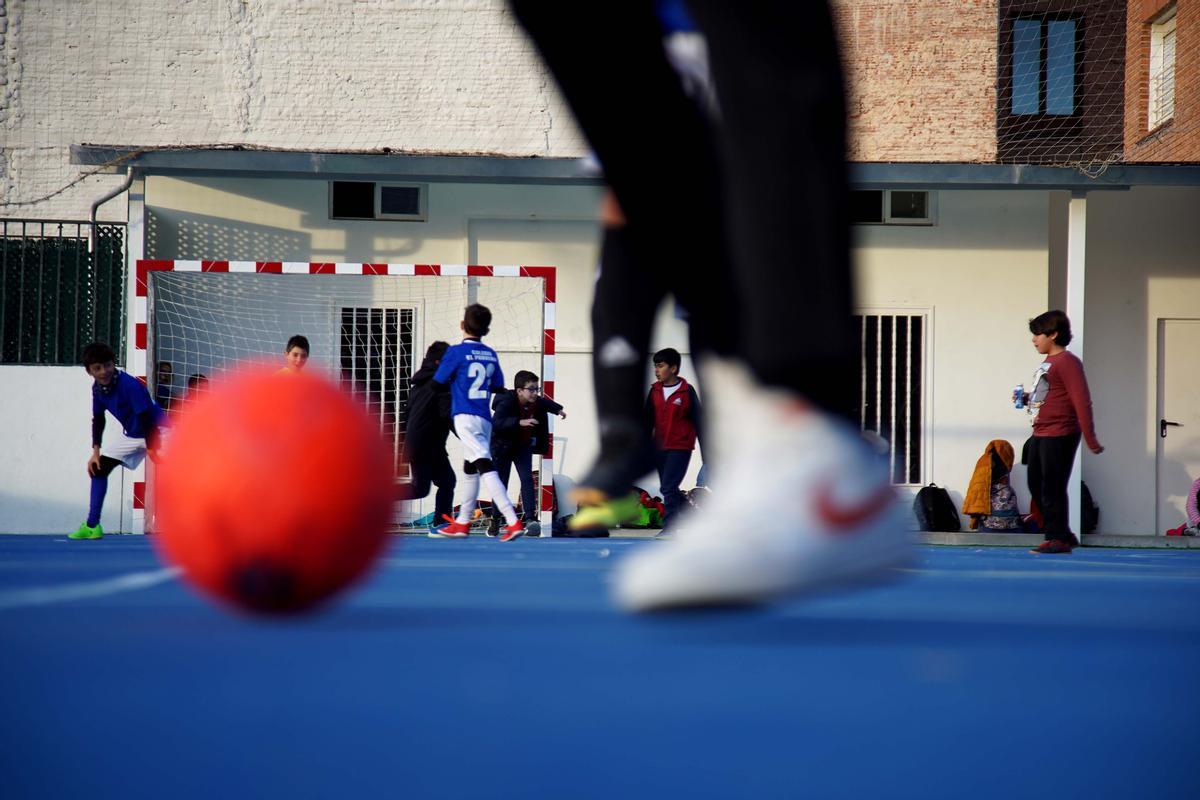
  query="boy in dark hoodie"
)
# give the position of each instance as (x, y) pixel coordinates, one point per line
(520, 428)
(428, 425)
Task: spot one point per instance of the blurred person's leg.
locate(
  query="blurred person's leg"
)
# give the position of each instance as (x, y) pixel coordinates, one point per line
(658, 155)
(801, 501)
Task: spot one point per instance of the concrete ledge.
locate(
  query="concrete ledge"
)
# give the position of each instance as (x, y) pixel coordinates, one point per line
(974, 539)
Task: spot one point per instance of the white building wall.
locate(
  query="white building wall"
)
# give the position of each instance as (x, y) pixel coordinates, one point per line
(981, 274)
(1143, 264)
(445, 76)
(46, 439)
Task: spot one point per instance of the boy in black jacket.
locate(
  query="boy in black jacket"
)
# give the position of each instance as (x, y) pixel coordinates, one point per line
(519, 430)
(428, 425)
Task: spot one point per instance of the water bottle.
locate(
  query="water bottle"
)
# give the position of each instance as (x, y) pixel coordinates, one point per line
(1019, 396)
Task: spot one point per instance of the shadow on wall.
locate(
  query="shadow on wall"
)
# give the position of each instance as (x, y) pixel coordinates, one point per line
(198, 236)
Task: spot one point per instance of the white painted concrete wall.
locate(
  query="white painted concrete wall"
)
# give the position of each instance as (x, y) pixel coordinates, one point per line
(46, 440)
(981, 274)
(1143, 265)
(444, 76)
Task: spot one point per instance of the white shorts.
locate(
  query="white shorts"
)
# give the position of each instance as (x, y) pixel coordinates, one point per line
(476, 435)
(126, 449)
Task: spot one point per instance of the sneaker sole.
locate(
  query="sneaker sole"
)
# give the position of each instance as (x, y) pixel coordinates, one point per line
(875, 556)
(510, 537)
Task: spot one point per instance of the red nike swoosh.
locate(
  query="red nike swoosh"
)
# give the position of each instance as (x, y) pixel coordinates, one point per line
(841, 519)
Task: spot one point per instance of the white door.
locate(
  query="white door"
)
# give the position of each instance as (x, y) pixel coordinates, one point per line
(1178, 421)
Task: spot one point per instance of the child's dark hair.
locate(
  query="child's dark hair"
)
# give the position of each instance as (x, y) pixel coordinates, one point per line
(297, 341)
(1052, 322)
(668, 356)
(477, 320)
(523, 378)
(434, 354)
(97, 353)
(436, 351)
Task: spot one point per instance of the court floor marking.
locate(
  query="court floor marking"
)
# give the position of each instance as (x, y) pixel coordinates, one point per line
(47, 595)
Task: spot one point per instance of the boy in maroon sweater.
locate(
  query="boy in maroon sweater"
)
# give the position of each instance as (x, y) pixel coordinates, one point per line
(673, 414)
(1061, 406)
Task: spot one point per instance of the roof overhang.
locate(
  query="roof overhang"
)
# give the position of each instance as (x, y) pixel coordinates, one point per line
(263, 163)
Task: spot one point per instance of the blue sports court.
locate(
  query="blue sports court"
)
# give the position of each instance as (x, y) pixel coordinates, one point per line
(476, 669)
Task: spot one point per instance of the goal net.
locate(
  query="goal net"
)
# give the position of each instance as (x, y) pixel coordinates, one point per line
(368, 327)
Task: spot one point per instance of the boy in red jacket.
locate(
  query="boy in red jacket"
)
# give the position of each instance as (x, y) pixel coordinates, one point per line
(673, 413)
(1061, 406)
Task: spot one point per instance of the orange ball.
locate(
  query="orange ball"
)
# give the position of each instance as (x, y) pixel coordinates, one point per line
(273, 492)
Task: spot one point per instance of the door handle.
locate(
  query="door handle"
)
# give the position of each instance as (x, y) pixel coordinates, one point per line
(1162, 427)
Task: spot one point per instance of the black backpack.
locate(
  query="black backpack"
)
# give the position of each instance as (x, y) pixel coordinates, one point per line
(935, 510)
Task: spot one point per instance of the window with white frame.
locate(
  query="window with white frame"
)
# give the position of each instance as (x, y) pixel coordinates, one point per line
(892, 387)
(1162, 70)
(891, 207)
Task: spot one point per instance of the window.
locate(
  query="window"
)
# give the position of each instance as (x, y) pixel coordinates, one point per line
(55, 294)
(892, 355)
(1162, 70)
(376, 347)
(369, 200)
(1043, 66)
(891, 207)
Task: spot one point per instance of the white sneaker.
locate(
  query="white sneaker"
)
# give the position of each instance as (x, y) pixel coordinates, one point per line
(801, 502)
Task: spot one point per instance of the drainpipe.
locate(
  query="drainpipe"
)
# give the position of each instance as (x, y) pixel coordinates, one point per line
(93, 237)
(92, 240)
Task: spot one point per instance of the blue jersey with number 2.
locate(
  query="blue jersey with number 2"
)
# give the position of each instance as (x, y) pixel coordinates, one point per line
(472, 369)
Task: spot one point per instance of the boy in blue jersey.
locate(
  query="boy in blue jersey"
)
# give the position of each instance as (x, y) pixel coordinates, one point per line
(123, 396)
(472, 370)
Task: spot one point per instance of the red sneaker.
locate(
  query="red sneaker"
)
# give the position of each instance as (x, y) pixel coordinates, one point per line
(514, 531)
(451, 530)
(1054, 547)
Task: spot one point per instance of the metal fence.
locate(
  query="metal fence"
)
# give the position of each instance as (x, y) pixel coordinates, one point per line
(55, 295)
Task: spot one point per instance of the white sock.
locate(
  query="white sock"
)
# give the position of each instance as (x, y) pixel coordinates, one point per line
(467, 508)
(491, 482)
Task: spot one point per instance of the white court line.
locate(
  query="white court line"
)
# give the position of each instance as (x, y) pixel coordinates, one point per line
(1040, 574)
(45, 595)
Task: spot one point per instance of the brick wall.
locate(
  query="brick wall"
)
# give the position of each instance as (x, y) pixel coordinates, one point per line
(922, 78)
(1179, 138)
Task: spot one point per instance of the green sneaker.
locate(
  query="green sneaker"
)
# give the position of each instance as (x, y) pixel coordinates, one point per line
(609, 514)
(87, 532)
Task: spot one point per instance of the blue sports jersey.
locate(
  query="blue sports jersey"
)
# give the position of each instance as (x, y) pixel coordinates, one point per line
(126, 399)
(472, 369)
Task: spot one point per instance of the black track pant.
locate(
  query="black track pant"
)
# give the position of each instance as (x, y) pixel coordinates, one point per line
(745, 221)
(1049, 470)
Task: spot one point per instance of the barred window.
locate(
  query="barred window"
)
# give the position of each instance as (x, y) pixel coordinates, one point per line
(376, 349)
(55, 296)
(892, 357)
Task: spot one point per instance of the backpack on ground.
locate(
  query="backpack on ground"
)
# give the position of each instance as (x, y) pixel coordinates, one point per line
(935, 510)
(1089, 512)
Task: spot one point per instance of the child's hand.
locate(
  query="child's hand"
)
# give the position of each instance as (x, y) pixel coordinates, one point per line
(1098, 449)
(527, 423)
(93, 465)
(562, 414)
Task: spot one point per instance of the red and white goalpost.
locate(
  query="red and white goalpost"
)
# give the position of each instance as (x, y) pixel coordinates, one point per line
(368, 325)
